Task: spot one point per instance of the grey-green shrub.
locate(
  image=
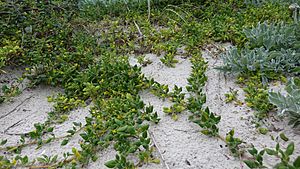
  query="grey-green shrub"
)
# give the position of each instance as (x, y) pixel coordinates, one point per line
(272, 36)
(260, 60)
(288, 104)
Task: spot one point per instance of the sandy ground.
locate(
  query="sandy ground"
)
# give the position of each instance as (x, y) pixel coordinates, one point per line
(180, 145)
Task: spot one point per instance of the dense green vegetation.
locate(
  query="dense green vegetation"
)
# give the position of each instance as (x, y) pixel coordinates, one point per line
(83, 47)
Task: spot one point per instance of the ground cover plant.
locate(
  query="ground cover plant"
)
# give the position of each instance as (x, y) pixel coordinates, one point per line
(83, 47)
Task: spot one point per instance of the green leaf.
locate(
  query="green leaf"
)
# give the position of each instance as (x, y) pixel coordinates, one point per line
(64, 142)
(72, 132)
(111, 163)
(283, 137)
(205, 132)
(297, 162)
(144, 134)
(281, 165)
(50, 129)
(3, 142)
(253, 151)
(24, 160)
(174, 117)
(132, 149)
(290, 149)
(231, 132)
(145, 127)
(122, 129)
(155, 161)
(251, 164)
(271, 152)
(48, 140)
(54, 159)
(77, 124)
(262, 152)
(263, 130)
(94, 158)
(41, 160)
(167, 110)
(277, 147)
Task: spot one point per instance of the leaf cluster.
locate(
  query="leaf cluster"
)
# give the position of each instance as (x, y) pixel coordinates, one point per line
(233, 143)
(278, 152)
(177, 97)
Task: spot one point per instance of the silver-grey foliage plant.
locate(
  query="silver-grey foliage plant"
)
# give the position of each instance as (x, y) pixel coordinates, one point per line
(270, 48)
(288, 104)
(272, 36)
(260, 60)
